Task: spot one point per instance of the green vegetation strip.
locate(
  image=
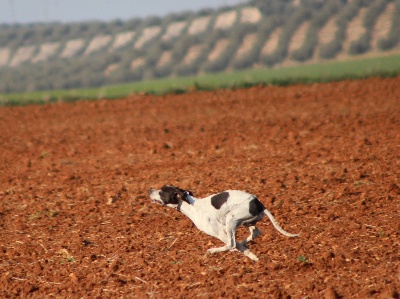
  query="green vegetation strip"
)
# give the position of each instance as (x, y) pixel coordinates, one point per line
(386, 66)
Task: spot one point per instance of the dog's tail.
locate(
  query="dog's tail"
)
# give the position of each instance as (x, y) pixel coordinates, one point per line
(277, 226)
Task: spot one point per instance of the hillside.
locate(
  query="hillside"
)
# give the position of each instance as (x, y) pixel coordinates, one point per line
(258, 33)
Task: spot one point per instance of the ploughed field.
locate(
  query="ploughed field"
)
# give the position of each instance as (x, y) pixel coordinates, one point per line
(76, 221)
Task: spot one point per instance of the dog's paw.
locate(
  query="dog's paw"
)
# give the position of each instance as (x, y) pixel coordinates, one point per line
(254, 258)
(212, 250)
(250, 255)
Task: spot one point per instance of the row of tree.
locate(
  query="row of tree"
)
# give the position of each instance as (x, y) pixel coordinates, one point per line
(91, 71)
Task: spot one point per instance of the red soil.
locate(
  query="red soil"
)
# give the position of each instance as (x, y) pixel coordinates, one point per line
(75, 219)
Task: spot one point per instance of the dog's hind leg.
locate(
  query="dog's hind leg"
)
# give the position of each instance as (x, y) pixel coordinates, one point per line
(232, 222)
(239, 247)
(246, 252)
(254, 233)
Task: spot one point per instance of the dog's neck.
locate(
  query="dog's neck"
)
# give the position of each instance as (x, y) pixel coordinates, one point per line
(189, 210)
(190, 199)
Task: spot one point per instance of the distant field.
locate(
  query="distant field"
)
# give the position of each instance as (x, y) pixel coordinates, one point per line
(386, 66)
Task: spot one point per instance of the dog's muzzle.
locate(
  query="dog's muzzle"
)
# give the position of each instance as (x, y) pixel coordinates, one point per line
(155, 196)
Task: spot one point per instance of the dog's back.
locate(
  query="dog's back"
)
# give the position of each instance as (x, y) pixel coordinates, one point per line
(229, 199)
(243, 205)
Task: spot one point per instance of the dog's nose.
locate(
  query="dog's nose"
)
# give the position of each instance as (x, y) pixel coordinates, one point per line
(150, 191)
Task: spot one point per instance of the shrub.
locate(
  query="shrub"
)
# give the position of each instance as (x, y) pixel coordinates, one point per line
(363, 44)
(373, 13)
(349, 11)
(163, 71)
(306, 51)
(222, 61)
(152, 21)
(273, 7)
(194, 66)
(262, 32)
(132, 24)
(153, 55)
(393, 37)
(61, 32)
(288, 30)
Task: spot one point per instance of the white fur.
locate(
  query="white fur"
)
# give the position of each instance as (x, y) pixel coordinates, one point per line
(221, 222)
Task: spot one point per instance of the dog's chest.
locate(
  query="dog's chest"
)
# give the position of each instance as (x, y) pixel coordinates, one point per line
(208, 219)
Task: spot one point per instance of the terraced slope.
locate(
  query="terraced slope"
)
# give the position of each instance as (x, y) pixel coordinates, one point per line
(243, 36)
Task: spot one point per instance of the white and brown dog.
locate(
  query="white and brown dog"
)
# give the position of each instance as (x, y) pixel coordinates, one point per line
(219, 215)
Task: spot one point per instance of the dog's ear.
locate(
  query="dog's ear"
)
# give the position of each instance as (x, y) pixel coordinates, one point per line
(177, 195)
(186, 192)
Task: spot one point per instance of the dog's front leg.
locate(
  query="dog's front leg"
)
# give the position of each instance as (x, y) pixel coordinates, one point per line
(229, 235)
(218, 249)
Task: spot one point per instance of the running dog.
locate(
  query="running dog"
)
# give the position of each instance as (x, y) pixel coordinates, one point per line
(219, 215)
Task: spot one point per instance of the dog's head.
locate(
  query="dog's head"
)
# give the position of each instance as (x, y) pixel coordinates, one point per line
(169, 196)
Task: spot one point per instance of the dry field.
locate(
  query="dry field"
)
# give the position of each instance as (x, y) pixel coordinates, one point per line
(76, 222)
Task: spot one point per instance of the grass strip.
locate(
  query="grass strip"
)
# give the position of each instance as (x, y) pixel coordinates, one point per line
(384, 66)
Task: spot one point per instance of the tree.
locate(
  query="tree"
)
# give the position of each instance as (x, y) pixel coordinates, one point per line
(322, 15)
(393, 37)
(363, 44)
